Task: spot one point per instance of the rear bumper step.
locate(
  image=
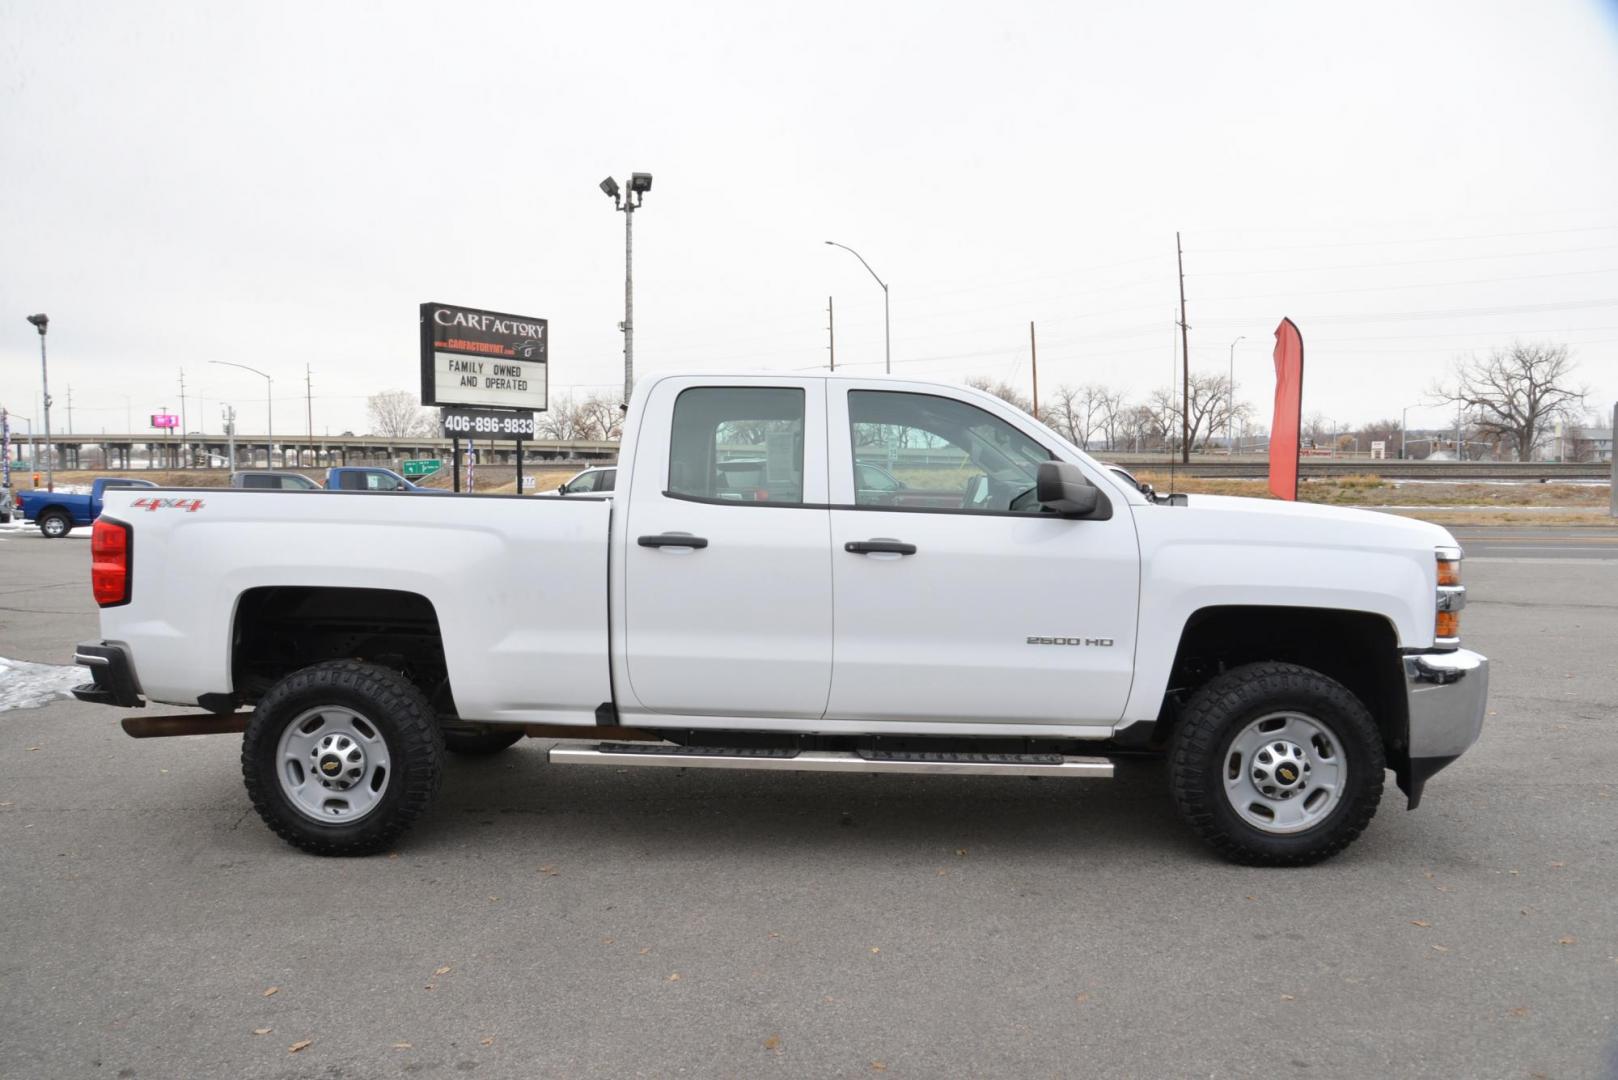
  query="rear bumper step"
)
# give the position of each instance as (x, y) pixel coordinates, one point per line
(879, 761)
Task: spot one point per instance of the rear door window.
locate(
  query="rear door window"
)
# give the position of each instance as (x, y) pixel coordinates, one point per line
(738, 444)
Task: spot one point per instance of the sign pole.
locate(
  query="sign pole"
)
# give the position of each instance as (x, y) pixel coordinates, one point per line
(455, 465)
(519, 465)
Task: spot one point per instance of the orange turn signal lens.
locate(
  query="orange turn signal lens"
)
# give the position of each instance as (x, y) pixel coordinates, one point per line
(1448, 625)
(1449, 571)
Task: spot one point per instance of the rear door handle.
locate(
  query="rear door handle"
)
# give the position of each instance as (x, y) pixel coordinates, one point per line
(674, 539)
(887, 547)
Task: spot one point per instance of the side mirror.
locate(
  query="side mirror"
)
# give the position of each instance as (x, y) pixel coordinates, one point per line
(561, 489)
(1062, 487)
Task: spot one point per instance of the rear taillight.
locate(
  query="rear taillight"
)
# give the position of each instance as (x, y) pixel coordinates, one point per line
(111, 548)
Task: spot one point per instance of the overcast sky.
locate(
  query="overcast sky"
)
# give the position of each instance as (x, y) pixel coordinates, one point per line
(282, 184)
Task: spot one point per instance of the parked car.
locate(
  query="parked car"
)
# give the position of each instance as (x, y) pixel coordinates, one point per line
(58, 513)
(594, 481)
(368, 478)
(272, 479)
(770, 611)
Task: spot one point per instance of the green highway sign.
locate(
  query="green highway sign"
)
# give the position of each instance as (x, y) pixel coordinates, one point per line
(422, 466)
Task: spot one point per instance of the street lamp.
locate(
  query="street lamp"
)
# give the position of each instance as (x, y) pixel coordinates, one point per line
(269, 412)
(639, 184)
(41, 321)
(1230, 421)
(1402, 414)
(887, 337)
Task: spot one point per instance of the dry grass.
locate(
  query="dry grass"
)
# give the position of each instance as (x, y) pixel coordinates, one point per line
(1370, 490)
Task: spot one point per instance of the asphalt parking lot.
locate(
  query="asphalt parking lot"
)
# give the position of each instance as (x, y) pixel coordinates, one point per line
(555, 922)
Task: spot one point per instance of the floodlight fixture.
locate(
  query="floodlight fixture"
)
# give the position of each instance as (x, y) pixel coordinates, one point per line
(640, 183)
(40, 321)
(610, 186)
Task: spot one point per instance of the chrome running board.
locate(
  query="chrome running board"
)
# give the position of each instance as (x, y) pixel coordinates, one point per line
(875, 761)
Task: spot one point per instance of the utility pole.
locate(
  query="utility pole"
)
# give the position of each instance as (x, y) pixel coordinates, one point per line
(831, 334)
(228, 415)
(70, 408)
(309, 415)
(41, 321)
(1185, 361)
(183, 461)
(1033, 365)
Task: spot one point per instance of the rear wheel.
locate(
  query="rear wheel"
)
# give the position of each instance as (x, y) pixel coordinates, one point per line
(1276, 765)
(55, 525)
(342, 757)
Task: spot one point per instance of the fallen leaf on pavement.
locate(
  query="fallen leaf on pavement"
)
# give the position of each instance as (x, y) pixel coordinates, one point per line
(1557, 865)
(606, 941)
(646, 950)
(773, 1043)
(402, 1046)
(675, 977)
(548, 870)
(1567, 939)
(1288, 997)
(1081, 997)
(299, 1045)
(443, 970)
(272, 991)
(1440, 948)
(1420, 922)
(487, 1042)
(262, 1031)
(879, 1066)
(875, 950)
(1520, 1011)
(960, 851)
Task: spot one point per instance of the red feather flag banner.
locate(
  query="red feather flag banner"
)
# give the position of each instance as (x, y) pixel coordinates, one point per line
(1284, 430)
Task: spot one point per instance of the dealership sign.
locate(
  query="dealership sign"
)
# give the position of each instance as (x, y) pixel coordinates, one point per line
(165, 420)
(482, 358)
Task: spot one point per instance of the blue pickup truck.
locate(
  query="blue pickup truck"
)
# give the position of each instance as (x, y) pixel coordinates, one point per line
(58, 513)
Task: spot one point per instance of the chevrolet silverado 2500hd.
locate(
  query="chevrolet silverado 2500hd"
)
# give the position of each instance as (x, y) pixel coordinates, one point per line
(800, 573)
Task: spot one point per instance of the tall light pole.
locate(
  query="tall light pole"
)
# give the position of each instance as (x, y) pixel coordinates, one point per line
(41, 321)
(1402, 414)
(1230, 422)
(628, 201)
(887, 336)
(269, 411)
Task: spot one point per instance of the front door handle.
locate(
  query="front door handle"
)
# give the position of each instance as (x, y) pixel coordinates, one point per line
(674, 539)
(887, 547)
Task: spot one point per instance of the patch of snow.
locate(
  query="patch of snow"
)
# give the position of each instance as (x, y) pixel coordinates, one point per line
(26, 685)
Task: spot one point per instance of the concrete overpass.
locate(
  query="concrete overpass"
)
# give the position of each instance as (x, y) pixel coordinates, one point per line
(110, 451)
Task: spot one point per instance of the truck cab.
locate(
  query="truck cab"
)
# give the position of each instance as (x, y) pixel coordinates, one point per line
(58, 513)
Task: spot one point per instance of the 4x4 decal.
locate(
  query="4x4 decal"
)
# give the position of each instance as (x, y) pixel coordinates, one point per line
(190, 506)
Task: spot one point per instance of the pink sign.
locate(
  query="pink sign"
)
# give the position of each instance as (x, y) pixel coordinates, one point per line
(165, 420)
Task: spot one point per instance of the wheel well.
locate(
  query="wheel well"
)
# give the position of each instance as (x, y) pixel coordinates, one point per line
(280, 629)
(1358, 649)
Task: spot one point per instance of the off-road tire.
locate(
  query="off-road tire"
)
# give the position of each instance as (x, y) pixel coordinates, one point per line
(1220, 709)
(397, 709)
(55, 520)
(482, 743)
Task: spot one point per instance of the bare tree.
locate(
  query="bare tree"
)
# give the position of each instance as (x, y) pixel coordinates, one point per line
(1065, 413)
(1516, 394)
(1002, 390)
(1211, 408)
(396, 414)
(600, 417)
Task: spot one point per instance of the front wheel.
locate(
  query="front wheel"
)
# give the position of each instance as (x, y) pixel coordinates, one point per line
(342, 757)
(1276, 765)
(55, 525)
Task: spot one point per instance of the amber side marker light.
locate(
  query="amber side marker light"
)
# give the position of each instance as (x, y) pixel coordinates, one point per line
(1451, 598)
(111, 547)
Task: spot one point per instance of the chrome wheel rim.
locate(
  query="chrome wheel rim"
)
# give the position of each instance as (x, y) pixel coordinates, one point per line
(53, 526)
(1284, 773)
(333, 765)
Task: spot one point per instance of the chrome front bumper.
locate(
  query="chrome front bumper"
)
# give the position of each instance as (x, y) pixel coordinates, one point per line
(1447, 693)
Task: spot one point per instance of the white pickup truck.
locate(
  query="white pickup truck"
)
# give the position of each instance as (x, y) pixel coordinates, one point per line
(800, 573)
